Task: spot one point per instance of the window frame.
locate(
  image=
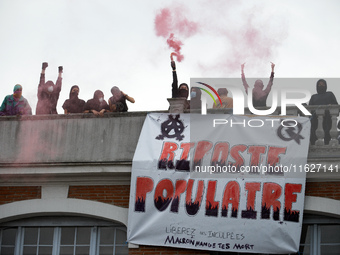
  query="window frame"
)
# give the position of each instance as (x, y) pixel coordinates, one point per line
(57, 223)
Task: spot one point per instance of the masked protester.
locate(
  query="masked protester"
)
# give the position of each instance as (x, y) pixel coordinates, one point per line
(182, 90)
(74, 104)
(15, 104)
(259, 94)
(195, 98)
(48, 93)
(97, 105)
(117, 102)
(323, 97)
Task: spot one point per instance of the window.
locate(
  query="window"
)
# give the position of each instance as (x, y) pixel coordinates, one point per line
(321, 239)
(319, 236)
(37, 240)
(112, 241)
(87, 238)
(7, 240)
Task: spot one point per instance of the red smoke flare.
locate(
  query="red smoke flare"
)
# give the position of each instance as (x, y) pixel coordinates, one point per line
(172, 56)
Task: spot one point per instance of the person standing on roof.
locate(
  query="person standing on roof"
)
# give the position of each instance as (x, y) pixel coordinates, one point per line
(323, 97)
(48, 93)
(259, 94)
(15, 104)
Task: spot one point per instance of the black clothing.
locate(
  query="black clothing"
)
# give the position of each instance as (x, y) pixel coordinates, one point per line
(95, 104)
(322, 98)
(183, 93)
(175, 89)
(121, 105)
(176, 92)
(74, 104)
(174, 84)
(117, 102)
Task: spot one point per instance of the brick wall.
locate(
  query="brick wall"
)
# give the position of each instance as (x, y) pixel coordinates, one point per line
(119, 196)
(111, 194)
(18, 193)
(323, 189)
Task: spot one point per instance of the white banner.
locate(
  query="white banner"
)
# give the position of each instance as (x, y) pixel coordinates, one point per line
(219, 182)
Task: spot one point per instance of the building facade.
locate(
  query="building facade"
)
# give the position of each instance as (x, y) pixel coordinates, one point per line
(65, 187)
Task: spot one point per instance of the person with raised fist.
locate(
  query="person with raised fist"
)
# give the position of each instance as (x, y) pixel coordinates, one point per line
(260, 93)
(48, 92)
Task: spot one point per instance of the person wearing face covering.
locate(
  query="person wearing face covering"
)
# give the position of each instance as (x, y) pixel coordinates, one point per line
(48, 93)
(74, 104)
(183, 89)
(323, 97)
(195, 98)
(97, 105)
(15, 104)
(259, 94)
(117, 102)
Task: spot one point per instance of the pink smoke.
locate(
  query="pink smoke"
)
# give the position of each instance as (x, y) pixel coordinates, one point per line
(253, 42)
(176, 46)
(247, 35)
(170, 21)
(163, 23)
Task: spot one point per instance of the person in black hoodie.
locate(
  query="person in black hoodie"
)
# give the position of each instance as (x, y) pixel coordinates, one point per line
(74, 104)
(97, 105)
(183, 89)
(323, 97)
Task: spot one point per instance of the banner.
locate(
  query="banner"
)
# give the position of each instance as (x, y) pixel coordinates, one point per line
(219, 182)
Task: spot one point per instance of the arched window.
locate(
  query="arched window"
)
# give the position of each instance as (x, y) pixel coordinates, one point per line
(319, 236)
(62, 236)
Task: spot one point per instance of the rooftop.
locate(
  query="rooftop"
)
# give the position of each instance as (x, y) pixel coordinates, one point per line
(52, 147)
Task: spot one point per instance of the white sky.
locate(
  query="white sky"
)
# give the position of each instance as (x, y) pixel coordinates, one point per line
(104, 43)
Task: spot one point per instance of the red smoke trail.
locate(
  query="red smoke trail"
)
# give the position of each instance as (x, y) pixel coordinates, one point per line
(176, 46)
(239, 33)
(170, 21)
(163, 23)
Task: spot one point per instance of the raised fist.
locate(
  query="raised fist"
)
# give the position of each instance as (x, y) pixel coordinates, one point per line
(173, 65)
(44, 65)
(242, 66)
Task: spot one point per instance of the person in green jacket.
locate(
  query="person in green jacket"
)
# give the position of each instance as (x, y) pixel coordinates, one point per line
(15, 104)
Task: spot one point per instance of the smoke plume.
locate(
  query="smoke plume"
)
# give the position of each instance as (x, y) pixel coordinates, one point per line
(169, 22)
(247, 33)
